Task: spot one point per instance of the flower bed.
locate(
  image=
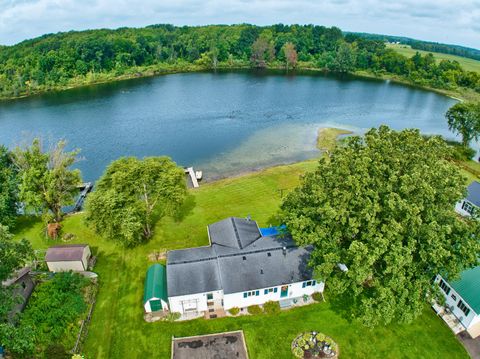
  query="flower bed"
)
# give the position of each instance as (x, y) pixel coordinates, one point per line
(314, 345)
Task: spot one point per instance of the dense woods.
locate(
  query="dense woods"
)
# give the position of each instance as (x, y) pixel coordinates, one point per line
(75, 58)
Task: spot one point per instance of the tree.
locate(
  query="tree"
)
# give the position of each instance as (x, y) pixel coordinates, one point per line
(384, 206)
(345, 58)
(263, 51)
(464, 119)
(290, 55)
(8, 188)
(132, 194)
(46, 182)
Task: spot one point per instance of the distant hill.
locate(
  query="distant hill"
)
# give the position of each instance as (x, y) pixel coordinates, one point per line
(423, 45)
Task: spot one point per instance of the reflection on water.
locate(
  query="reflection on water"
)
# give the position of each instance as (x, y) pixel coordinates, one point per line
(222, 123)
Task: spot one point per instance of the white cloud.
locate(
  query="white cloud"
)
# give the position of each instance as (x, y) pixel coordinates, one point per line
(436, 20)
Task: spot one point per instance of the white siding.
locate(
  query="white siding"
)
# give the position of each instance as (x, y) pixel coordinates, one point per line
(468, 320)
(86, 256)
(65, 266)
(295, 290)
(177, 304)
(459, 210)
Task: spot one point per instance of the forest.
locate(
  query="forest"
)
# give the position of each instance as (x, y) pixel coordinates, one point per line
(64, 60)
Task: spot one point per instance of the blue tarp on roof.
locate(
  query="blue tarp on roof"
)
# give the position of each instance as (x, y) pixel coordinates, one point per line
(273, 231)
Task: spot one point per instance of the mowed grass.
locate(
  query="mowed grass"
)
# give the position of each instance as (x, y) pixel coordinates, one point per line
(118, 330)
(465, 62)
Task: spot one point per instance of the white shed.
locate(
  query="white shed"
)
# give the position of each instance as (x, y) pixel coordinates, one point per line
(73, 257)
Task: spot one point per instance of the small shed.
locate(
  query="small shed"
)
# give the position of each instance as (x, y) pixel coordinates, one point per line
(73, 257)
(155, 296)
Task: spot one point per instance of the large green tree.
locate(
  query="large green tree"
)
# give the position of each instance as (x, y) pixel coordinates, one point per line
(464, 119)
(383, 205)
(132, 195)
(8, 188)
(46, 181)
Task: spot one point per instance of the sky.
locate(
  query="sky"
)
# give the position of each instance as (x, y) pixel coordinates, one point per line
(447, 21)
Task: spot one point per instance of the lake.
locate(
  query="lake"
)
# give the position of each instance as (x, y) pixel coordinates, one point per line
(222, 123)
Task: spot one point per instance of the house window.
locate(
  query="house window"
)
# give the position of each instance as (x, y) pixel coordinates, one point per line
(308, 283)
(251, 293)
(467, 207)
(210, 296)
(454, 297)
(270, 290)
(463, 307)
(275, 290)
(444, 287)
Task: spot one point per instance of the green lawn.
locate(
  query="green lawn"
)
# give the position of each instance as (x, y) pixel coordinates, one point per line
(465, 62)
(118, 330)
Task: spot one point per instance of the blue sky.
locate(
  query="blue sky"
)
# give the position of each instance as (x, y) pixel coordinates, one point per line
(448, 21)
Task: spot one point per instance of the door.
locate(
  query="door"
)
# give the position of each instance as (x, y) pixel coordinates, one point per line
(155, 305)
(284, 291)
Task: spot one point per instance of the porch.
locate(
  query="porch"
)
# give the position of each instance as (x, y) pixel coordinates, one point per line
(448, 317)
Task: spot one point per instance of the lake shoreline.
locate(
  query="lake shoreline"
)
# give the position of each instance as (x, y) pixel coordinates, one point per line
(325, 136)
(155, 71)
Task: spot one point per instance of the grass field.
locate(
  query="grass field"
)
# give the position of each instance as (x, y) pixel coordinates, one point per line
(465, 62)
(118, 330)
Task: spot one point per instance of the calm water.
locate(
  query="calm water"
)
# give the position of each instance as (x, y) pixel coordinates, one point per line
(222, 123)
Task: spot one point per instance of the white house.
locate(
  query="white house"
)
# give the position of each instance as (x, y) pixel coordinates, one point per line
(73, 257)
(466, 206)
(239, 268)
(462, 298)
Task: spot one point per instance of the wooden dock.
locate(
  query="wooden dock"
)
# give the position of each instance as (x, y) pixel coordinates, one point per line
(191, 173)
(86, 188)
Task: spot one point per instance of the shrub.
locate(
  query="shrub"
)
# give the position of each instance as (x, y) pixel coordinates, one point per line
(234, 310)
(320, 337)
(271, 307)
(56, 351)
(317, 296)
(298, 352)
(255, 309)
(172, 316)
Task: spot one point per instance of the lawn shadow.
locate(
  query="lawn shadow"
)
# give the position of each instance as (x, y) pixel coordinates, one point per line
(25, 223)
(342, 305)
(185, 209)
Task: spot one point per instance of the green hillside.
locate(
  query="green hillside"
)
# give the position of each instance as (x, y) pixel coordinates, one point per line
(466, 63)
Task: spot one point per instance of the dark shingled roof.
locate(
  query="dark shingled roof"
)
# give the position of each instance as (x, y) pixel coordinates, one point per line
(234, 232)
(236, 262)
(473, 195)
(72, 252)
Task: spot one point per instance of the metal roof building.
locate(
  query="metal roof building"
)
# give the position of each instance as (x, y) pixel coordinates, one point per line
(155, 292)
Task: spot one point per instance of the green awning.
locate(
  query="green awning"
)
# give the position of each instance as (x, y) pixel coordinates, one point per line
(156, 283)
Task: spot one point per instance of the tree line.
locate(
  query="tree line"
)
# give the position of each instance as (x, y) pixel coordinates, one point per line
(72, 58)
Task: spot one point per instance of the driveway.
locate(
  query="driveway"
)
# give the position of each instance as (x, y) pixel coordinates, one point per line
(472, 345)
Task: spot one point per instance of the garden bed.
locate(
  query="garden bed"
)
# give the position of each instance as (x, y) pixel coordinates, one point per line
(314, 345)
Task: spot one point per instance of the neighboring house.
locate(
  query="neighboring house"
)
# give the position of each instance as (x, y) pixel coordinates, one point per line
(239, 268)
(155, 297)
(462, 299)
(466, 206)
(23, 286)
(65, 258)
